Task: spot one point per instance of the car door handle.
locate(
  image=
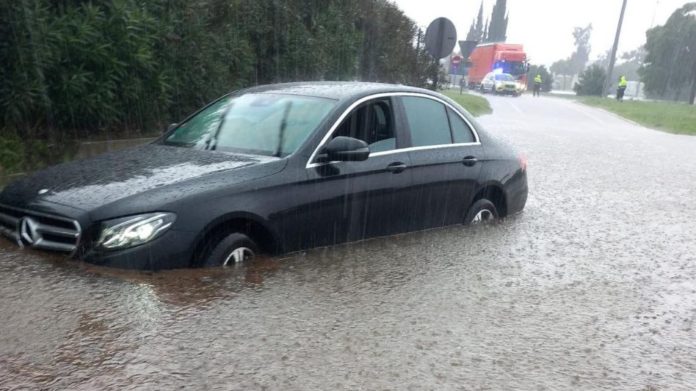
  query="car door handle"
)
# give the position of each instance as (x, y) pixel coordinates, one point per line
(469, 161)
(397, 167)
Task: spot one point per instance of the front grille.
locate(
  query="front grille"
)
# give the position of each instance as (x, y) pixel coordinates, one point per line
(39, 230)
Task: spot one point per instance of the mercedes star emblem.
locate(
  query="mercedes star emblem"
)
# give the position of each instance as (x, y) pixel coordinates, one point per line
(28, 230)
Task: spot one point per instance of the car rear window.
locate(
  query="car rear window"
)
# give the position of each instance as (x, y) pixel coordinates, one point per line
(461, 132)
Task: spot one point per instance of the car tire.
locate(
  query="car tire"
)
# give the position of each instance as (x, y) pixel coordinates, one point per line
(232, 250)
(482, 211)
(483, 90)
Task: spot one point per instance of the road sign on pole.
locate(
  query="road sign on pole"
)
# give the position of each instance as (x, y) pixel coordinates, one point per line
(466, 48)
(456, 65)
(440, 38)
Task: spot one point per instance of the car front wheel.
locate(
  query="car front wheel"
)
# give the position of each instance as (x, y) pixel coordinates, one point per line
(232, 250)
(482, 211)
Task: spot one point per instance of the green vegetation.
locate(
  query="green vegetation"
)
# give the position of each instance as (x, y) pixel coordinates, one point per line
(78, 69)
(669, 70)
(17, 155)
(575, 64)
(667, 116)
(476, 105)
(546, 78)
(591, 81)
(496, 31)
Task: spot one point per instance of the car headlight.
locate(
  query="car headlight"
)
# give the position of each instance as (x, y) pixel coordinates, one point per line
(133, 230)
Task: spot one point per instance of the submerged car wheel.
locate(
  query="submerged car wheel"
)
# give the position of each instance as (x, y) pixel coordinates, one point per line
(231, 250)
(482, 211)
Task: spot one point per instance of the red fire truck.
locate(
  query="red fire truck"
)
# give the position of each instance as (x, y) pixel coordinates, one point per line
(500, 57)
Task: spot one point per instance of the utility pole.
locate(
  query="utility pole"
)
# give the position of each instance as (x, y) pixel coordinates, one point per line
(612, 60)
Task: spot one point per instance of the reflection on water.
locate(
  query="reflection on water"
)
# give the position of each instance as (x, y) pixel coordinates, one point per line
(450, 304)
(187, 287)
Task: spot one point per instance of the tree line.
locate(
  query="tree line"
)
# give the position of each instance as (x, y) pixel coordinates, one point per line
(493, 29)
(669, 68)
(76, 68)
(666, 64)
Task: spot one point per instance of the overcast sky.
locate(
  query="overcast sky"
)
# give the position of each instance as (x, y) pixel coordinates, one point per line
(545, 26)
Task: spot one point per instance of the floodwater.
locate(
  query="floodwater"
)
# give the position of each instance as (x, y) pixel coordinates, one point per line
(592, 287)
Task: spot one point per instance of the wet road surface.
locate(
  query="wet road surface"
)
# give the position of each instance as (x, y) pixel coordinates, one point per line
(592, 287)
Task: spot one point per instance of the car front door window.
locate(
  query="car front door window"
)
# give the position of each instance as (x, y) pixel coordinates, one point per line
(372, 123)
(361, 199)
(427, 120)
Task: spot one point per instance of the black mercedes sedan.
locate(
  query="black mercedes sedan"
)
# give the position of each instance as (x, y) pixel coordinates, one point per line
(272, 169)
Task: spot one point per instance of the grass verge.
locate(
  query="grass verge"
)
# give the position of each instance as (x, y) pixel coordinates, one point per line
(474, 104)
(670, 117)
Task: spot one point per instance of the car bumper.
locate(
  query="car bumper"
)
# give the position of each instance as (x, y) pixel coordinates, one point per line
(505, 91)
(170, 251)
(517, 191)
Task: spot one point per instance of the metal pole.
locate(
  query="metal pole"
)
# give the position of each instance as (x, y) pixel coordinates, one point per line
(612, 60)
(441, 40)
(436, 73)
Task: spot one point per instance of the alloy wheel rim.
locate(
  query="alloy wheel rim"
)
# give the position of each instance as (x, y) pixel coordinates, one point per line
(482, 216)
(238, 255)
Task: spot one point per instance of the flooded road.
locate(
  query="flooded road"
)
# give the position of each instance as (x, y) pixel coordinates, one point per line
(592, 287)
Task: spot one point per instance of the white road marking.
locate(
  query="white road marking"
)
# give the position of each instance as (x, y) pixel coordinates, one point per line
(517, 109)
(586, 113)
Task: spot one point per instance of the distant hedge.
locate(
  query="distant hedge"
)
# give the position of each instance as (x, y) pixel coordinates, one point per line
(75, 68)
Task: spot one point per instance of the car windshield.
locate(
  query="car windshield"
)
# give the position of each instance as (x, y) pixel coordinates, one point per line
(504, 77)
(262, 123)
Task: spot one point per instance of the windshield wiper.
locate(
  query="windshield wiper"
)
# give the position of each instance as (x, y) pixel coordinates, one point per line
(213, 139)
(281, 131)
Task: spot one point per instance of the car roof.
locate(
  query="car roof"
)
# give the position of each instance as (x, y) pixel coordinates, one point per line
(339, 90)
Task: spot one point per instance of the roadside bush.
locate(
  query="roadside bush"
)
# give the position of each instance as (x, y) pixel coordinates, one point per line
(11, 154)
(591, 81)
(79, 68)
(546, 77)
(17, 155)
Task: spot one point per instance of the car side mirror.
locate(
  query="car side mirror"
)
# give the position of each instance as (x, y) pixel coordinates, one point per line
(170, 127)
(346, 149)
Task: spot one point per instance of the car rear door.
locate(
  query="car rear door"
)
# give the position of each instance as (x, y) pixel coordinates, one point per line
(444, 156)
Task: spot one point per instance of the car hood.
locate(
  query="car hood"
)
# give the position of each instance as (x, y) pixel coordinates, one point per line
(90, 183)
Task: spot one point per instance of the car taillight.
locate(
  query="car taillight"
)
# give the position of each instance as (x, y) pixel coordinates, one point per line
(522, 158)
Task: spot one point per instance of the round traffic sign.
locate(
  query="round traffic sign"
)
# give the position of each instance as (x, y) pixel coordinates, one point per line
(440, 38)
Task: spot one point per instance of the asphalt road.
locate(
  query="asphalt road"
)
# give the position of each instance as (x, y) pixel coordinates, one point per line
(592, 287)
